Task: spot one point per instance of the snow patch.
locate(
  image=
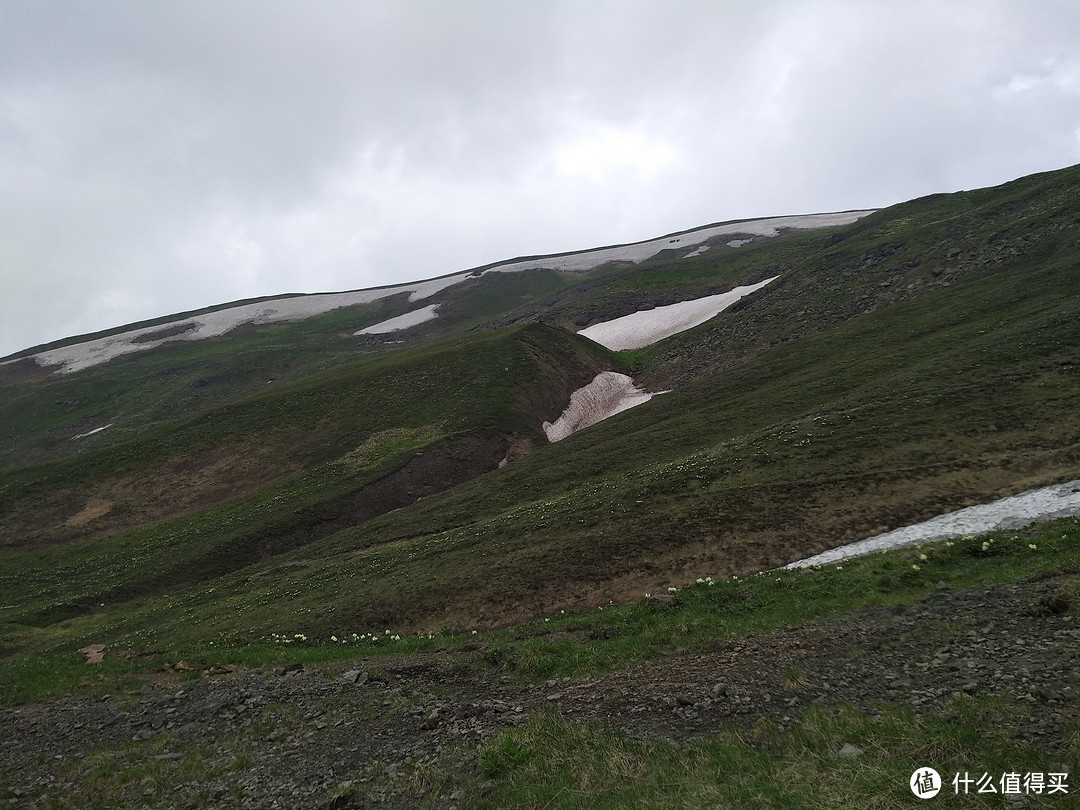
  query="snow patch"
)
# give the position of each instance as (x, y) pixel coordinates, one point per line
(426, 289)
(1048, 503)
(409, 319)
(735, 243)
(92, 432)
(647, 326)
(696, 252)
(608, 394)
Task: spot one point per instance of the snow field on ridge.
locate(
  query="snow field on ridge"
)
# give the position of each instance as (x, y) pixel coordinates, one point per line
(640, 251)
(213, 324)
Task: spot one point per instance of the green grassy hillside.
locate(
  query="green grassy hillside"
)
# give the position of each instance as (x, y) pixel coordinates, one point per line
(220, 489)
(872, 426)
(294, 478)
(42, 412)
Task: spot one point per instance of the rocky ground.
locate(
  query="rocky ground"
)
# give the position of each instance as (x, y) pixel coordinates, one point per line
(385, 731)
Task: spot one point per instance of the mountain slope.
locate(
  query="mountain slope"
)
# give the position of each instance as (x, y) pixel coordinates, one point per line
(803, 449)
(922, 247)
(904, 363)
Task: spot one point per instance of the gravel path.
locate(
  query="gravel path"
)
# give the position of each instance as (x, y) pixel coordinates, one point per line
(292, 738)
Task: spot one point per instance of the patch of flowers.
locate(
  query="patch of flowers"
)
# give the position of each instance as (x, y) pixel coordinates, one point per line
(353, 639)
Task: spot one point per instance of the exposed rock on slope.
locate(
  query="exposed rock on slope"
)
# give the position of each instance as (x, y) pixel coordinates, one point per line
(298, 737)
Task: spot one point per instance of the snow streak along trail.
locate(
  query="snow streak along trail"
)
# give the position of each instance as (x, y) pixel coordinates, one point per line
(1048, 503)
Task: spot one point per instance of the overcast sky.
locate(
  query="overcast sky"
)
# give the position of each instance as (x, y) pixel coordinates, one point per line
(161, 156)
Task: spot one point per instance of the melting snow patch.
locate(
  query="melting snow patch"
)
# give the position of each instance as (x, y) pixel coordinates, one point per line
(647, 326)
(696, 252)
(608, 394)
(739, 242)
(1048, 503)
(417, 316)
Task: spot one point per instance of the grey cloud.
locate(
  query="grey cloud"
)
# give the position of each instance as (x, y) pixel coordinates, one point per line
(163, 156)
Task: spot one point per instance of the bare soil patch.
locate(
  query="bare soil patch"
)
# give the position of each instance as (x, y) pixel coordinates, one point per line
(437, 468)
(95, 508)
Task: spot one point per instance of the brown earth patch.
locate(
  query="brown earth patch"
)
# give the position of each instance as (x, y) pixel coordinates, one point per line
(161, 334)
(437, 468)
(209, 478)
(22, 371)
(95, 508)
(185, 486)
(94, 653)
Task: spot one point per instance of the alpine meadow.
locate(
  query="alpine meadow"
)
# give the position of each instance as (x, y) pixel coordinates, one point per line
(321, 551)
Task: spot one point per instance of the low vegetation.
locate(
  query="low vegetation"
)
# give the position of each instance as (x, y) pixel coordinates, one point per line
(293, 494)
(554, 760)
